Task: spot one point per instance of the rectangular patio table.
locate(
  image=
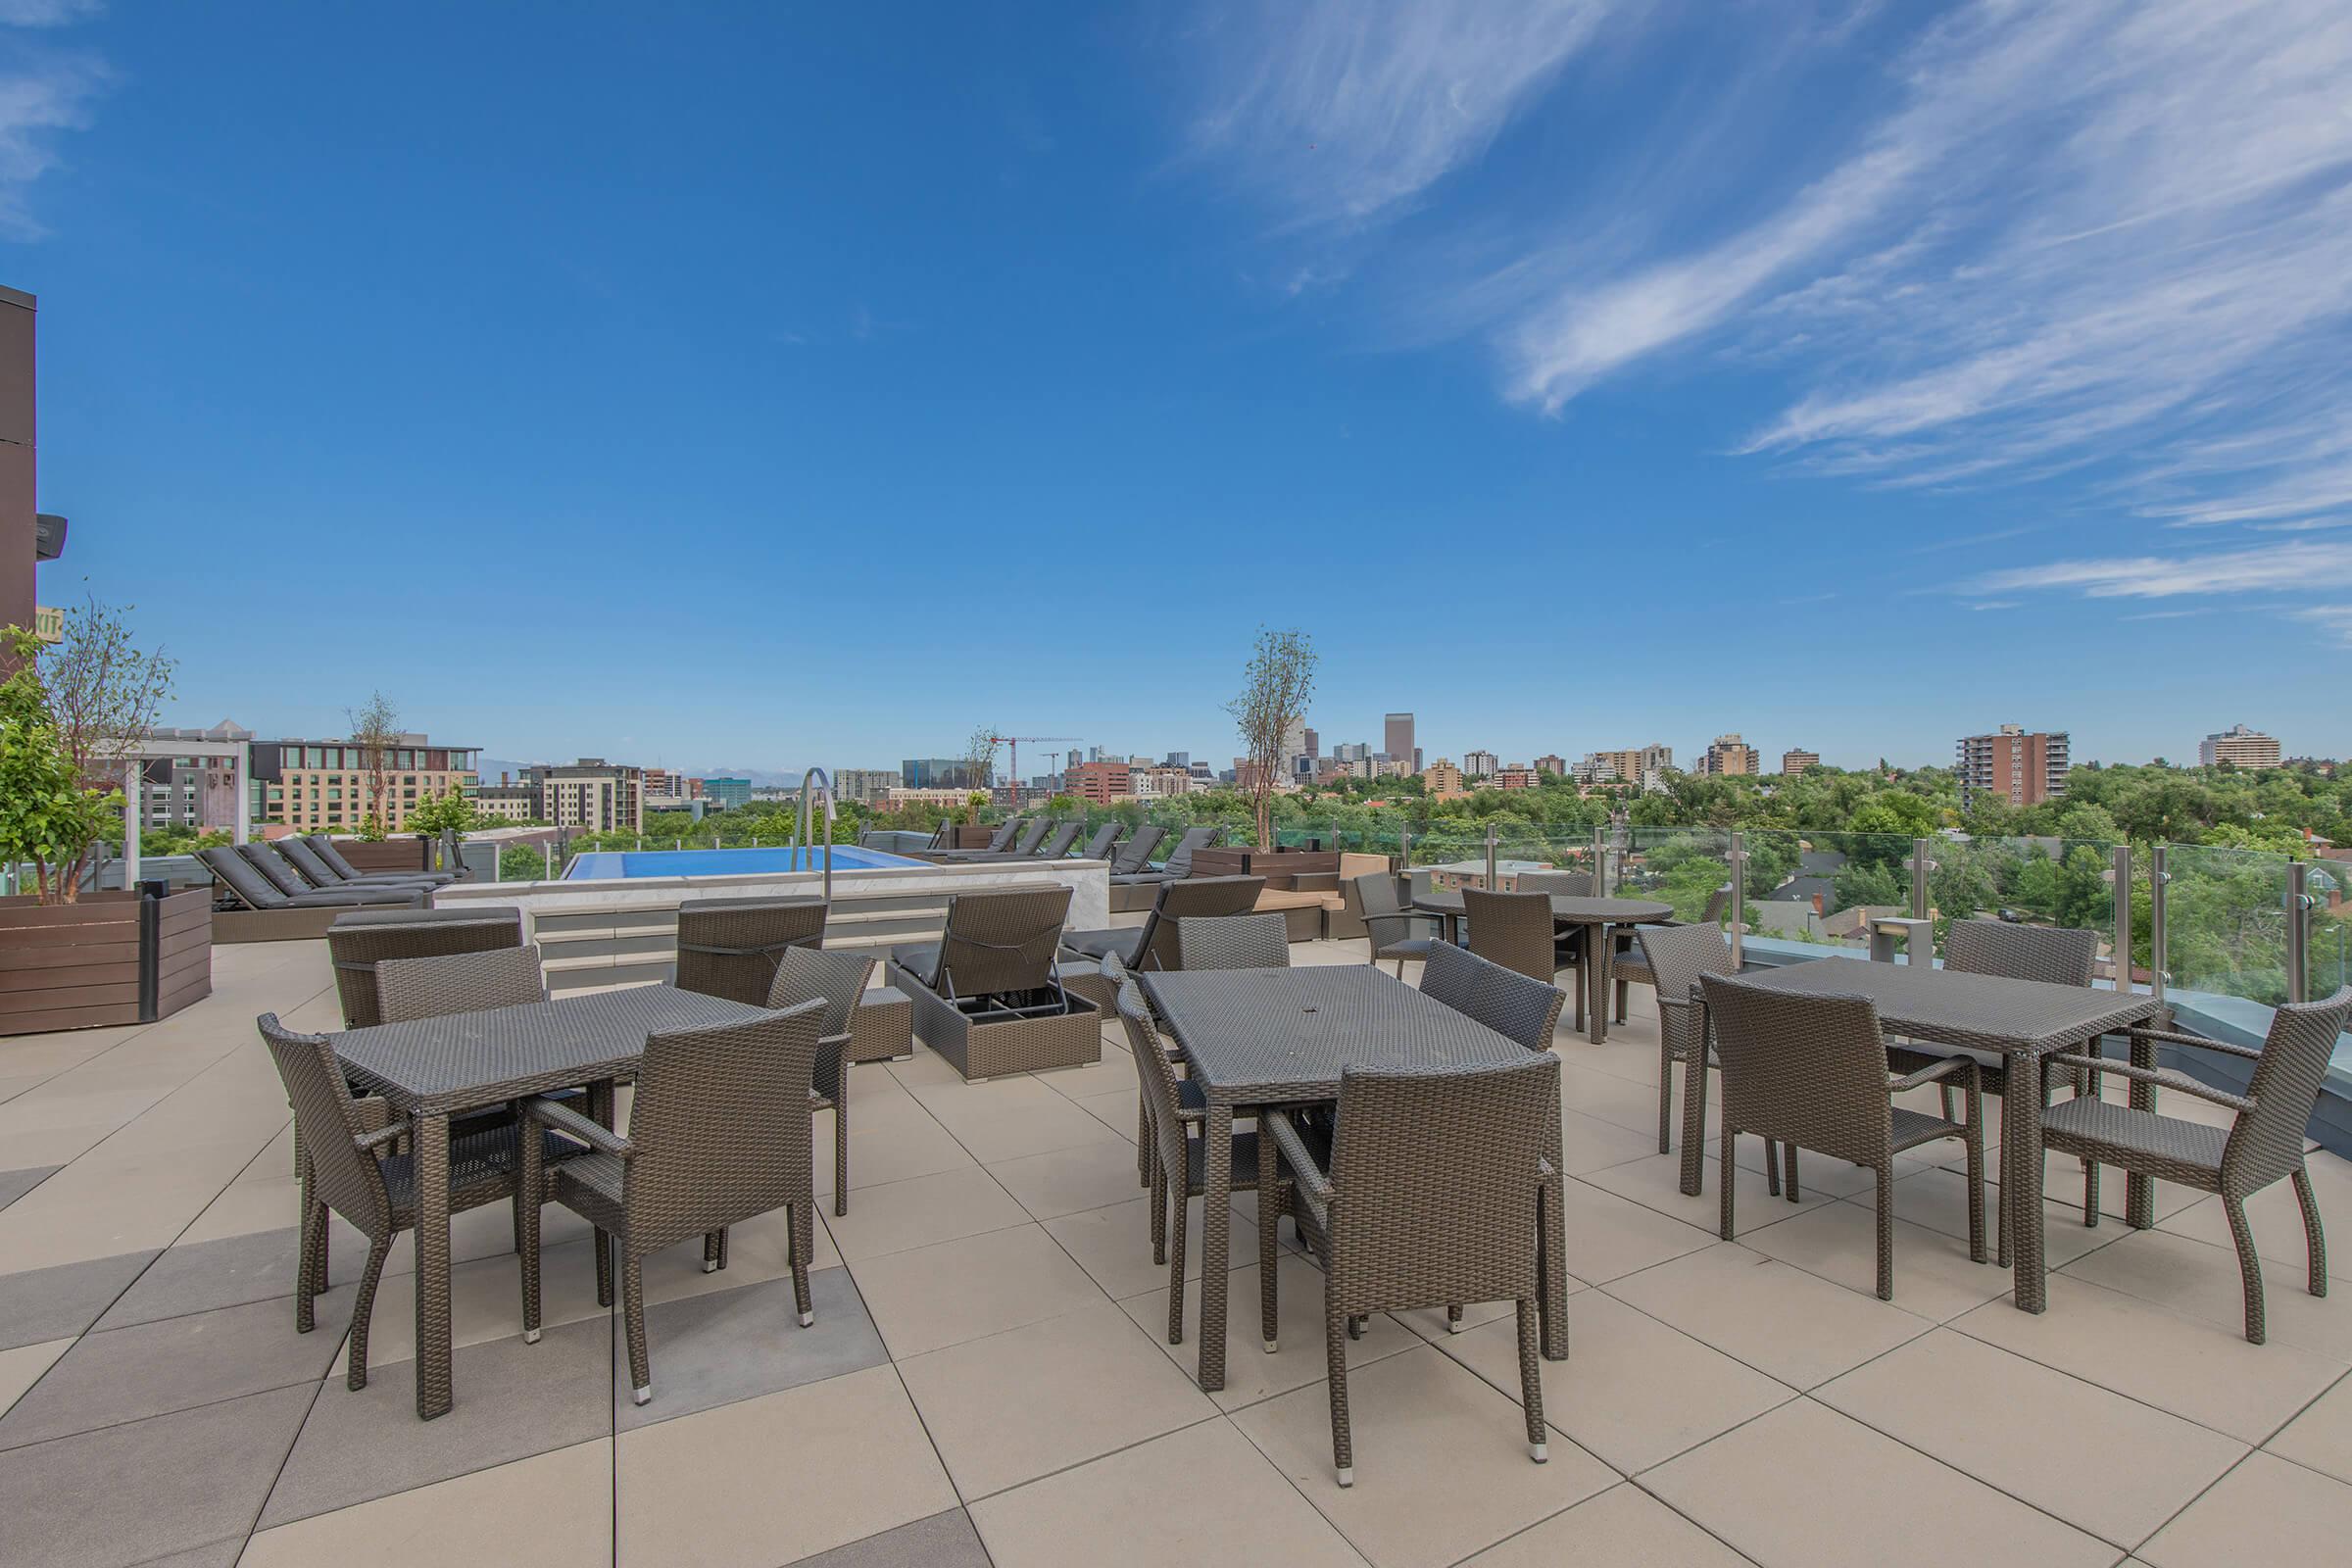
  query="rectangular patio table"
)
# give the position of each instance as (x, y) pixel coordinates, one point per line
(430, 1069)
(1282, 1036)
(2022, 1020)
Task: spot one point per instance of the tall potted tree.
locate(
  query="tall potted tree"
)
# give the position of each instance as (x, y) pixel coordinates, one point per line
(71, 959)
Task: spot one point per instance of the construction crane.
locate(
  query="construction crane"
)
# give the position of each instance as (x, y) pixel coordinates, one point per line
(1013, 763)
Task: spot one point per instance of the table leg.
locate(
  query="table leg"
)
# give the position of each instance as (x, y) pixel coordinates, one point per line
(2021, 1179)
(429, 1135)
(1216, 1227)
(1596, 980)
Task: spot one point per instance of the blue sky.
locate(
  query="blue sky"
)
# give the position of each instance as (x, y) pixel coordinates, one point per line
(760, 385)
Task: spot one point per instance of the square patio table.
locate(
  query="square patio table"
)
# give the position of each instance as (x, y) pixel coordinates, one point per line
(1283, 1037)
(430, 1069)
(2024, 1020)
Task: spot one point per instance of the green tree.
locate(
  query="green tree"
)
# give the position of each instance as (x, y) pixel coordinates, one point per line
(48, 814)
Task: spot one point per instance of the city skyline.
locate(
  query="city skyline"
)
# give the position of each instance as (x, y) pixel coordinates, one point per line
(683, 443)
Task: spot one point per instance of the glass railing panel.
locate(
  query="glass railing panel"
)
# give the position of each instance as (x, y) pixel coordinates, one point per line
(1821, 889)
(2226, 923)
(1689, 869)
(2044, 881)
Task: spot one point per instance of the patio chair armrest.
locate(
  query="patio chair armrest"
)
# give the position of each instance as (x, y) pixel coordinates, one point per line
(374, 1112)
(1303, 1170)
(570, 1123)
(1932, 1072)
(368, 1142)
(2181, 1037)
(2164, 1077)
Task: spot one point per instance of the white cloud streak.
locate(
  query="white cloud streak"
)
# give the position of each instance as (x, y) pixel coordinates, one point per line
(1344, 111)
(2271, 567)
(42, 92)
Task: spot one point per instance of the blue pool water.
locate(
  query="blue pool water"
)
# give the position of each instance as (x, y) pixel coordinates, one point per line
(606, 863)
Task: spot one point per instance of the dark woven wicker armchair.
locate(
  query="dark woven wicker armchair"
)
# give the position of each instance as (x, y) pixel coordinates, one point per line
(838, 979)
(2058, 956)
(357, 942)
(717, 1135)
(1431, 1196)
(729, 947)
(1232, 941)
(2264, 1144)
(1517, 931)
(1393, 931)
(1630, 966)
(1682, 955)
(1810, 1072)
(1514, 1005)
(349, 1167)
(1174, 1118)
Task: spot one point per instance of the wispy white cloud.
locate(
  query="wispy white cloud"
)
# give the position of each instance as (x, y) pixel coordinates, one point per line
(2334, 620)
(43, 92)
(2296, 565)
(1341, 111)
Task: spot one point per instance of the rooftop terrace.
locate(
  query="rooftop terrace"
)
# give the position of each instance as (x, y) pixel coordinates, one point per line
(989, 1378)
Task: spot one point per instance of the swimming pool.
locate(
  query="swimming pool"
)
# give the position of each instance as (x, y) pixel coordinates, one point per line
(607, 864)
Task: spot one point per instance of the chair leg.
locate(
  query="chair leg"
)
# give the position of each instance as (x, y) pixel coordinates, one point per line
(632, 1322)
(309, 1273)
(1695, 1123)
(603, 1269)
(841, 1149)
(2250, 1267)
(1665, 1090)
(1577, 997)
(804, 1246)
(1335, 1361)
(1142, 1135)
(1454, 1317)
(1621, 1001)
(1272, 1200)
(2315, 1239)
(1772, 1167)
(1723, 1176)
(1530, 1383)
(1160, 1216)
(1975, 1186)
(2090, 1193)
(715, 1251)
(1791, 1181)
(1183, 1206)
(363, 1309)
(1886, 1225)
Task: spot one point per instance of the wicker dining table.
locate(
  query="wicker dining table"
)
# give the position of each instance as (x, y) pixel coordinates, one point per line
(2022, 1020)
(1599, 917)
(430, 1069)
(1282, 1036)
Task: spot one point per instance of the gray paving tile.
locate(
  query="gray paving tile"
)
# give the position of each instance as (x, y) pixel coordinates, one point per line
(219, 1554)
(513, 1400)
(724, 1346)
(943, 1540)
(15, 1184)
(203, 1275)
(171, 1489)
(149, 1369)
(55, 1303)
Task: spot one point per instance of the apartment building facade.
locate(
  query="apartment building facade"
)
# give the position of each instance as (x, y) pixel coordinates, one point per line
(2246, 748)
(1100, 783)
(195, 778)
(1396, 736)
(1795, 762)
(329, 786)
(868, 786)
(727, 793)
(1557, 767)
(1443, 781)
(1728, 755)
(1479, 765)
(1644, 766)
(591, 794)
(2023, 767)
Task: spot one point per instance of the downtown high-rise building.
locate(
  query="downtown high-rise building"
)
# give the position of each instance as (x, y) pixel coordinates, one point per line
(1397, 741)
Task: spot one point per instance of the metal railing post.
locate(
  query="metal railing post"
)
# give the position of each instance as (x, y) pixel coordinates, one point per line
(2123, 918)
(1492, 885)
(2158, 876)
(2298, 931)
(1737, 855)
(548, 844)
(1921, 865)
(1601, 862)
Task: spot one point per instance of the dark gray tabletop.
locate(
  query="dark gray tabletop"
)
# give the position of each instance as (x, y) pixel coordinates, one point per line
(1953, 1008)
(1266, 1035)
(1578, 911)
(470, 1060)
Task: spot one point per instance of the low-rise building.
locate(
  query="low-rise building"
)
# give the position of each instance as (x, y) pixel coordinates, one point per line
(505, 801)
(591, 794)
(1102, 783)
(1515, 777)
(1443, 781)
(329, 786)
(868, 786)
(903, 797)
(1557, 767)
(727, 793)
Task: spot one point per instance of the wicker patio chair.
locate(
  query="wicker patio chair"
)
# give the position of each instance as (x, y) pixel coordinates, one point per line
(1810, 1072)
(729, 947)
(2058, 956)
(1629, 965)
(2262, 1145)
(1432, 1196)
(357, 943)
(1153, 944)
(1517, 931)
(1175, 1117)
(1684, 953)
(1512, 1004)
(717, 1137)
(1389, 925)
(459, 982)
(349, 1168)
(838, 978)
(1136, 854)
(1232, 940)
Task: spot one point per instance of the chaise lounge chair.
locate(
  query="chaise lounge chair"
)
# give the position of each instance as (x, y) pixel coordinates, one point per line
(323, 877)
(244, 887)
(326, 847)
(1136, 854)
(1097, 848)
(988, 995)
(1179, 863)
(1153, 944)
(1002, 842)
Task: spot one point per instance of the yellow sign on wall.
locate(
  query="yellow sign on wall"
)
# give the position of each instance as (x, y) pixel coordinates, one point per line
(48, 623)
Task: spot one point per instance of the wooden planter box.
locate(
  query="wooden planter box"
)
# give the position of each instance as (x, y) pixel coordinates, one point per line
(111, 959)
(1283, 869)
